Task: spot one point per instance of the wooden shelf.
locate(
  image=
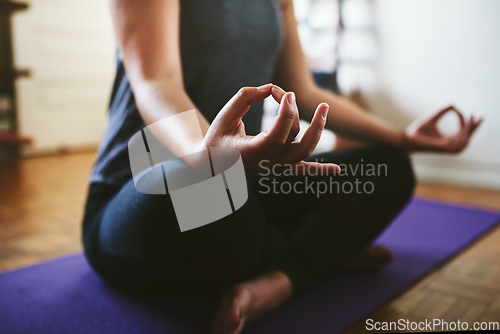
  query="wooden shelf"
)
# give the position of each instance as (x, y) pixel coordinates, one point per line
(11, 139)
(12, 74)
(10, 6)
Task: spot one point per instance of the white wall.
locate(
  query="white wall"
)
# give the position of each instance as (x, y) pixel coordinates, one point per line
(68, 46)
(432, 53)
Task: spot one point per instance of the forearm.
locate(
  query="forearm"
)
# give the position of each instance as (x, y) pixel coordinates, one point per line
(159, 99)
(348, 119)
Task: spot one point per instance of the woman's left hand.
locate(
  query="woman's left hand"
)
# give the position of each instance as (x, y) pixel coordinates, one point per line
(423, 134)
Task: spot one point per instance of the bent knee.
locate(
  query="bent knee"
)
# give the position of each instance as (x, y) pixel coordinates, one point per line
(403, 171)
(400, 179)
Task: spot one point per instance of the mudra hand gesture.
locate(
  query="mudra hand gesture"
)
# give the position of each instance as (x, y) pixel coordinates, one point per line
(275, 146)
(424, 135)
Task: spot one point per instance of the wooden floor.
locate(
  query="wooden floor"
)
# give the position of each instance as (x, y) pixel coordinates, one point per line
(41, 203)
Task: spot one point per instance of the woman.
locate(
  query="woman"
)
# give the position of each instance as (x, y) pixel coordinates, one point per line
(175, 56)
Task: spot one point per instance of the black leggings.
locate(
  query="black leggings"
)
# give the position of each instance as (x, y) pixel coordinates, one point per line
(133, 239)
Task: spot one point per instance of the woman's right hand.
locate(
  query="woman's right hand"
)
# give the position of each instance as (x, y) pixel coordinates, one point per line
(274, 146)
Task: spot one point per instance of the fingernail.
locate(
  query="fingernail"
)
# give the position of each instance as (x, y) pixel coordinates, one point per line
(324, 111)
(264, 87)
(291, 98)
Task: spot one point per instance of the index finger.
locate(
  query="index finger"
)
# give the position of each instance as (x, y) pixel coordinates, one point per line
(443, 111)
(231, 114)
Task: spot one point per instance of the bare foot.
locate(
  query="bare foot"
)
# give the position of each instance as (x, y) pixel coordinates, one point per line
(371, 259)
(247, 301)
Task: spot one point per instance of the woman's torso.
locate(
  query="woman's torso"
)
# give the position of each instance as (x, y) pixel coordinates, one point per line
(224, 45)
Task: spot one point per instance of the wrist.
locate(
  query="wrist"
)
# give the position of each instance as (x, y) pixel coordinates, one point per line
(397, 138)
(406, 142)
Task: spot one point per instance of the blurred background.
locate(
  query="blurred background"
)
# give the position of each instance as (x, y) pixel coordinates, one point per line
(60, 55)
(401, 59)
(405, 59)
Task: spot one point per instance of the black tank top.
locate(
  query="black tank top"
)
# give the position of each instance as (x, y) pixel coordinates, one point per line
(225, 45)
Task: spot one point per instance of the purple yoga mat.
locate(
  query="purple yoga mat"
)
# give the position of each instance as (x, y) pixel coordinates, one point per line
(65, 296)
